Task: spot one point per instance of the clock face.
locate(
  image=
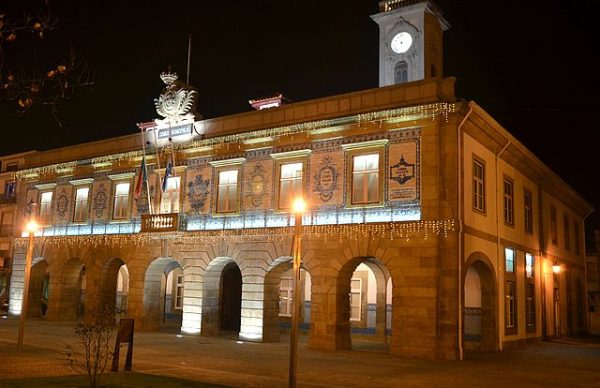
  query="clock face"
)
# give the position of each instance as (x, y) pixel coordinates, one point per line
(401, 42)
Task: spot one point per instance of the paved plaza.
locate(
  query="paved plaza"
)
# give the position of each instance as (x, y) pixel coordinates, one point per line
(572, 362)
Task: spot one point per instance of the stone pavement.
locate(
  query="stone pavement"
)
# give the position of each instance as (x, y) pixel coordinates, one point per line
(571, 362)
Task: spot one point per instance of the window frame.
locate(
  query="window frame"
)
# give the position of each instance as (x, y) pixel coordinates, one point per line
(45, 213)
(87, 204)
(227, 165)
(114, 200)
(476, 183)
(359, 292)
(553, 225)
(577, 237)
(508, 201)
(510, 307)
(289, 292)
(353, 150)
(513, 260)
(566, 232)
(179, 287)
(530, 321)
(528, 211)
(365, 178)
(291, 157)
(171, 193)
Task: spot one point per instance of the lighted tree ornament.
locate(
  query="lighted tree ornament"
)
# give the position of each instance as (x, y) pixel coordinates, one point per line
(35, 85)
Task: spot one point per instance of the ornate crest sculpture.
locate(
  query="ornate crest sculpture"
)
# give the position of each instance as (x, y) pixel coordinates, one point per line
(177, 102)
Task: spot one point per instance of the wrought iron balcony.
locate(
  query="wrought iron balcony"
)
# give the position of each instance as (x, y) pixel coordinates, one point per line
(160, 222)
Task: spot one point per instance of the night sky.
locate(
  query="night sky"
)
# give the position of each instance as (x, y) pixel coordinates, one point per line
(533, 65)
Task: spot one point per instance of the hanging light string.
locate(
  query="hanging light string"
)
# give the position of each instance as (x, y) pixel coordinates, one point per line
(430, 111)
(390, 231)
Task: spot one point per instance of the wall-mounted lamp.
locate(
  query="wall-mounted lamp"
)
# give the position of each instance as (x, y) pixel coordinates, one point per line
(556, 268)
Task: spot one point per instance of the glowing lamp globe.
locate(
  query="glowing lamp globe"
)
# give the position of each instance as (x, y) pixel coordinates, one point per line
(32, 227)
(556, 268)
(299, 205)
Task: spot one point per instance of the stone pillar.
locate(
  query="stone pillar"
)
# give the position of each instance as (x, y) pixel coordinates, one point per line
(136, 294)
(330, 329)
(16, 284)
(253, 292)
(191, 322)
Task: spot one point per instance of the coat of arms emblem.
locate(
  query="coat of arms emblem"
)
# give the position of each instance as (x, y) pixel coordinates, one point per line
(177, 102)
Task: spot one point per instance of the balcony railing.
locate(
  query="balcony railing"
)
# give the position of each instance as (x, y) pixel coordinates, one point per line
(160, 222)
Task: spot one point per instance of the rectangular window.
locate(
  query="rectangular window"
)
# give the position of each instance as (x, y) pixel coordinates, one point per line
(290, 184)
(12, 166)
(285, 297)
(510, 305)
(576, 233)
(121, 204)
(46, 207)
(10, 188)
(567, 232)
(80, 211)
(227, 191)
(355, 299)
(365, 179)
(169, 202)
(530, 305)
(553, 232)
(508, 202)
(529, 265)
(509, 256)
(528, 204)
(478, 186)
(179, 293)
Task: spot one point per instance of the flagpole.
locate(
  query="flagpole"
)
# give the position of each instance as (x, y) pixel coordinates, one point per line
(145, 173)
(157, 155)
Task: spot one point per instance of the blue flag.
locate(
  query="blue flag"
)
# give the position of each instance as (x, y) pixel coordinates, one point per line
(168, 173)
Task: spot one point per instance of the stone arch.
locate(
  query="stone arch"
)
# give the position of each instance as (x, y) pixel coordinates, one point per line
(38, 288)
(72, 282)
(111, 271)
(480, 323)
(211, 295)
(154, 291)
(343, 337)
(271, 305)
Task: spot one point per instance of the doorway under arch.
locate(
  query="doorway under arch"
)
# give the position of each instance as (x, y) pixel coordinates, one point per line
(39, 283)
(72, 290)
(362, 287)
(278, 300)
(156, 297)
(480, 331)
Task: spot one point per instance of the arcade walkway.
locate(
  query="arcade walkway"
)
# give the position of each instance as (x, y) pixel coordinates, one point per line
(566, 363)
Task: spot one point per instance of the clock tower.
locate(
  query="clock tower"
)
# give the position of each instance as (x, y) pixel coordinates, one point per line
(410, 40)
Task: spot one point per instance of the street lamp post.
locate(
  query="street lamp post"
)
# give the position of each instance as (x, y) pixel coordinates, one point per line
(31, 228)
(299, 208)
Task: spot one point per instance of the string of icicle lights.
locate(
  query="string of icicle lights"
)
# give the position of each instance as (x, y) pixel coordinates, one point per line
(390, 231)
(431, 111)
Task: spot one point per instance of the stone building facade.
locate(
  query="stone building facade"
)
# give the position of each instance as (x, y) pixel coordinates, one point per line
(430, 228)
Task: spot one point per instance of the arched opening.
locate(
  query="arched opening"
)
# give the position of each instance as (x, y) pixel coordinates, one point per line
(221, 272)
(278, 302)
(39, 283)
(479, 313)
(362, 299)
(158, 311)
(115, 286)
(231, 298)
(401, 72)
(72, 290)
